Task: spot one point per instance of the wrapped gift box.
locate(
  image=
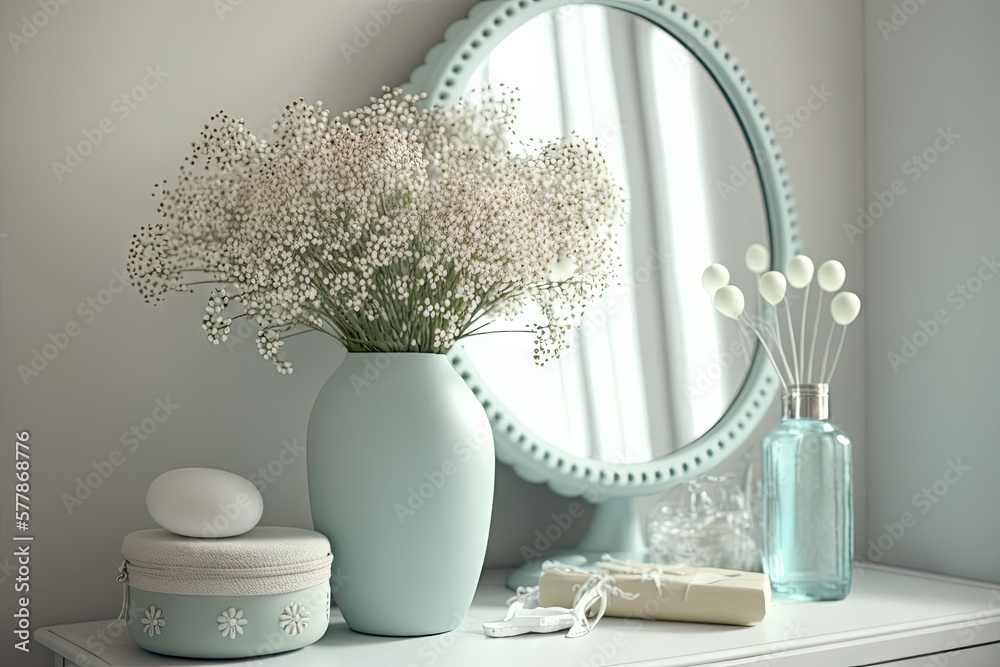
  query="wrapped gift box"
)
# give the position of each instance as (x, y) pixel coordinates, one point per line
(666, 592)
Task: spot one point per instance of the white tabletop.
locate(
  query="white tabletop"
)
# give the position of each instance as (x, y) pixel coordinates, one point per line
(890, 614)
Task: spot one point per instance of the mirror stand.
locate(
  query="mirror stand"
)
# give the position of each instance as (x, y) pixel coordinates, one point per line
(498, 42)
(614, 529)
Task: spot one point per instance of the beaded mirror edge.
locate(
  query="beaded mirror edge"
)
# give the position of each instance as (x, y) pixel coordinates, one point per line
(445, 73)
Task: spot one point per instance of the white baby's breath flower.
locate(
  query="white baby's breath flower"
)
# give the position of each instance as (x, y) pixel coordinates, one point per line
(394, 227)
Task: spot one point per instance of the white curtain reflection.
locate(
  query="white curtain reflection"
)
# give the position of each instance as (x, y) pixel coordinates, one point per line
(628, 389)
(687, 234)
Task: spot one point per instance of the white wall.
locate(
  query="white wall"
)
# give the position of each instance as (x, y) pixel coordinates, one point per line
(933, 422)
(66, 237)
(789, 49)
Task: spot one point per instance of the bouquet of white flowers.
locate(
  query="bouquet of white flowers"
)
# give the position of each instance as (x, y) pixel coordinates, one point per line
(395, 227)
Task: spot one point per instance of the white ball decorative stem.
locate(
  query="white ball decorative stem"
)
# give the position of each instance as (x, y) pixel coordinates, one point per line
(844, 309)
(758, 258)
(767, 350)
(729, 301)
(830, 277)
(773, 287)
(800, 274)
(799, 271)
(714, 277)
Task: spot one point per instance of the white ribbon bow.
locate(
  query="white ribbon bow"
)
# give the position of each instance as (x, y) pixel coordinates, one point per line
(655, 573)
(523, 598)
(525, 615)
(595, 590)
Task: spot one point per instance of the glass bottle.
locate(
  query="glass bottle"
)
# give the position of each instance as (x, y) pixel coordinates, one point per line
(808, 517)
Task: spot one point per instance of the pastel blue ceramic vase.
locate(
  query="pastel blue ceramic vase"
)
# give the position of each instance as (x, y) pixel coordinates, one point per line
(401, 466)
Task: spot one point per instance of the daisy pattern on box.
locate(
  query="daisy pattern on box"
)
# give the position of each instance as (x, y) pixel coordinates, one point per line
(231, 622)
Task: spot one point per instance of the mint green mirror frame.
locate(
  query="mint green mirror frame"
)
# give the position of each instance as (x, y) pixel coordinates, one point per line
(615, 527)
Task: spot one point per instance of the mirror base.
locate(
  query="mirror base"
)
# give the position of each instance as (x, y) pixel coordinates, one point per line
(614, 530)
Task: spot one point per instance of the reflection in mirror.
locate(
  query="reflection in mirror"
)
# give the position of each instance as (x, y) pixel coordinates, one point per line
(653, 366)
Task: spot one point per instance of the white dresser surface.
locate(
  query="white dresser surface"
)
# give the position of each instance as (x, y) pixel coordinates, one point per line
(891, 614)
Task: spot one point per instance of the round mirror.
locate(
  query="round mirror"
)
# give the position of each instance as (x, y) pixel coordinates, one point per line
(657, 386)
(652, 367)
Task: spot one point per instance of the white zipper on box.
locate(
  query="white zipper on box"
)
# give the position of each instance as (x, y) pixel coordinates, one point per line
(223, 572)
(210, 574)
(122, 579)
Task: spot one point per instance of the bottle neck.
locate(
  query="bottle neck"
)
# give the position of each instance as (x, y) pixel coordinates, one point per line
(806, 401)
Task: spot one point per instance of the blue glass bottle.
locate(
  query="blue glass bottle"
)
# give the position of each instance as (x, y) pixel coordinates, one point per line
(808, 517)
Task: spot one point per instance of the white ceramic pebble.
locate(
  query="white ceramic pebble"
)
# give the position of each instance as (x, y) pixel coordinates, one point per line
(204, 502)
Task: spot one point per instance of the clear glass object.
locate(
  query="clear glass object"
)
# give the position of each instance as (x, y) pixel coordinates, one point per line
(808, 517)
(708, 522)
